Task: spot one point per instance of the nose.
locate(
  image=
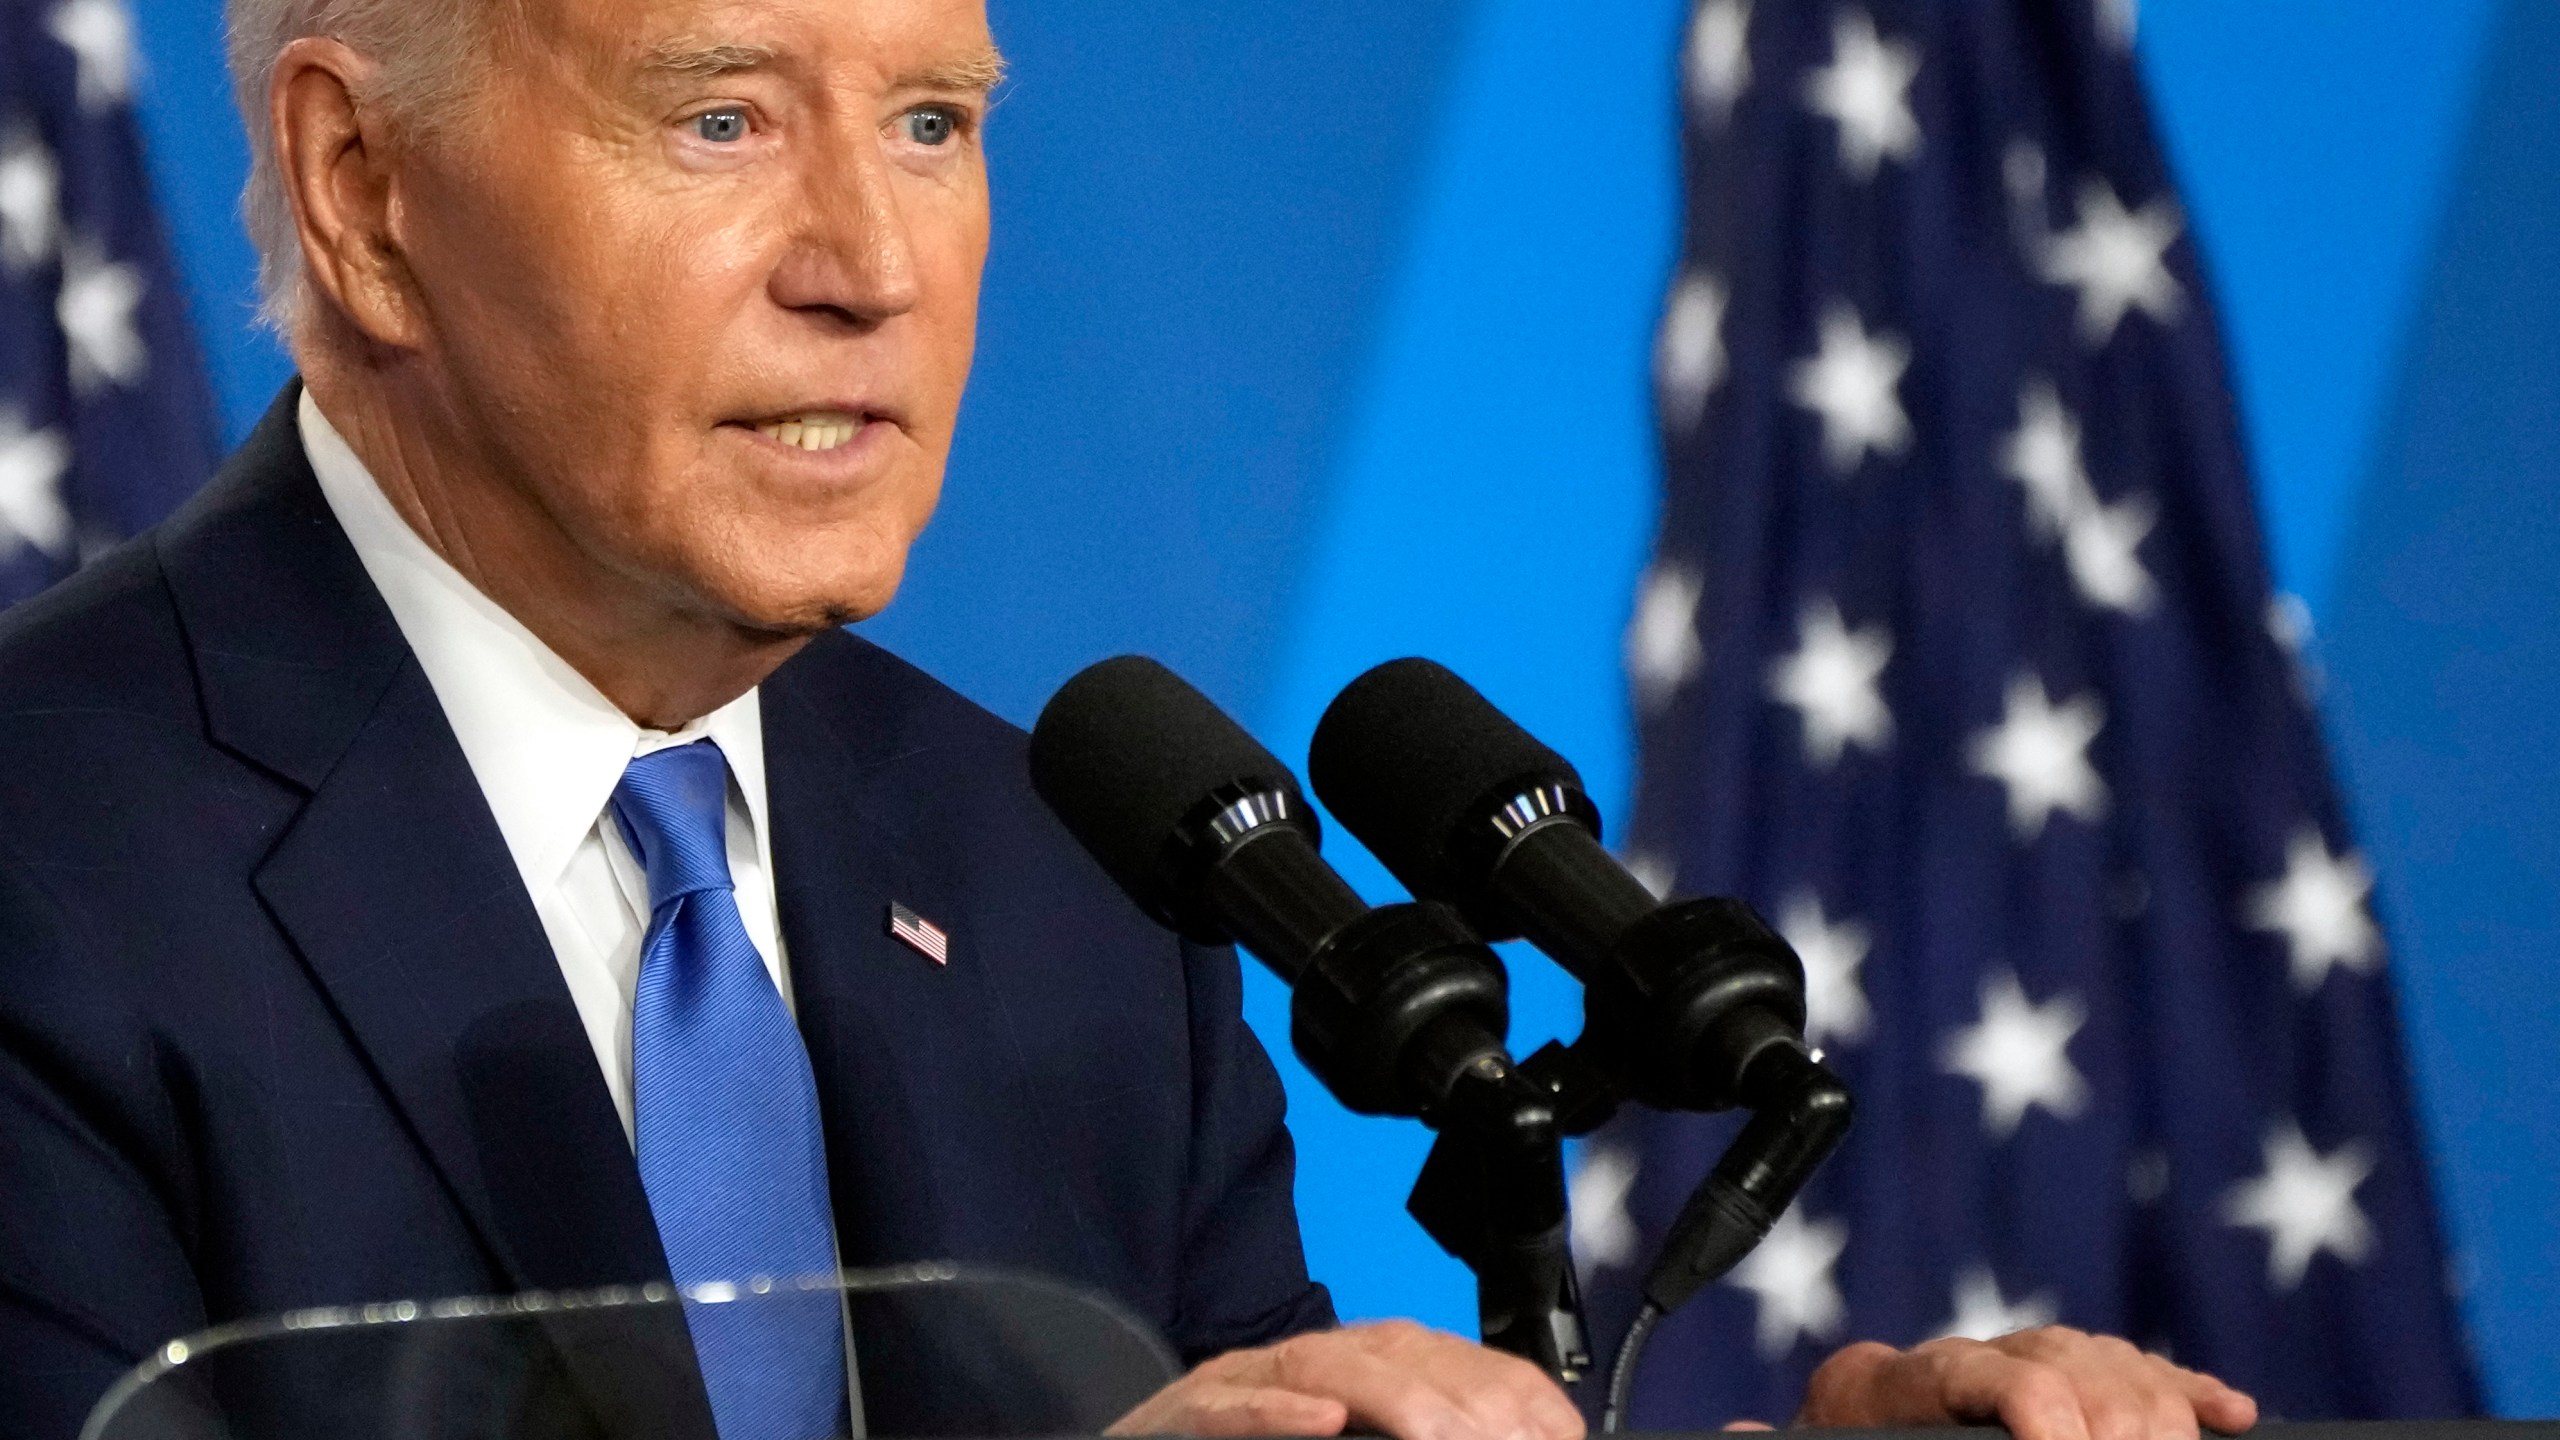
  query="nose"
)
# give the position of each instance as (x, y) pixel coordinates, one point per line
(853, 262)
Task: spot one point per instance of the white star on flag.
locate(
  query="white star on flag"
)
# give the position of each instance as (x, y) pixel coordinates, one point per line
(96, 311)
(2305, 1202)
(30, 200)
(1867, 89)
(2100, 549)
(2019, 1053)
(1719, 56)
(32, 463)
(2289, 623)
(2120, 20)
(1603, 1234)
(1691, 360)
(2040, 751)
(1982, 1314)
(1790, 1276)
(1851, 382)
(100, 34)
(1663, 652)
(2043, 456)
(2099, 541)
(2117, 261)
(1835, 1005)
(1831, 681)
(2319, 908)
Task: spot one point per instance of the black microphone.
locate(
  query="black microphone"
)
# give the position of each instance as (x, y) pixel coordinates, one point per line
(1390, 1007)
(1399, 1010)
(1690, 1005)
(1466, 807)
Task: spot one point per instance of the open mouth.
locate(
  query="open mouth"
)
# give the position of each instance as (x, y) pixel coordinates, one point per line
(816, 431)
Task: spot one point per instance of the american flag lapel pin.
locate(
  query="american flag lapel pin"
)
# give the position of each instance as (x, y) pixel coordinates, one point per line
(920, 934)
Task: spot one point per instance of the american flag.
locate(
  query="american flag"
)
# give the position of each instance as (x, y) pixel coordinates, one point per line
(1959, 659)
(105, 419)
(925, 937)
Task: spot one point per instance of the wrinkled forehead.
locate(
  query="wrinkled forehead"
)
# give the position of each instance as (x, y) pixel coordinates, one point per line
(885, 45)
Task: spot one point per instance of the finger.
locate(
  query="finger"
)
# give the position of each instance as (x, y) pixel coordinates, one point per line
(2219, 1406)
(1193, 1406)
(1415, 1383)
(1502, 1394)
(1848, 1389)
(2124, 1394)
(1403, 1399)
(1511, 1396)
(2035, 1400)
(1552, 1413)
(1236, 1410)
(2173, 1415)
(1749, 1425)
(1498, 1394)
(2128, 1395)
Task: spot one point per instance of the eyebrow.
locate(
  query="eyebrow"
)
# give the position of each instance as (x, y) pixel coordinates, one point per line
(981, 72)
(704, 62)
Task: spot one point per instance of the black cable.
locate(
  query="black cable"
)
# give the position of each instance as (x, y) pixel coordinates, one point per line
(1622, 1370)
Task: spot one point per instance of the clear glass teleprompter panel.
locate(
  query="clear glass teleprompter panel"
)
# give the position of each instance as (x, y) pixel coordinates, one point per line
(938, 1350)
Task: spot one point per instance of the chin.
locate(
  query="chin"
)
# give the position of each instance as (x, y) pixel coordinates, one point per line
(792, 581)
(805, 610)
(804, 623)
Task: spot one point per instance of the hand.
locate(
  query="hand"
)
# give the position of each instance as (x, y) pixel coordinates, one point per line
(2054, 1383)
(1397, 1378)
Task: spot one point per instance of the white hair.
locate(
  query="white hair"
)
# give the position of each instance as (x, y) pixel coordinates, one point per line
(423, 49)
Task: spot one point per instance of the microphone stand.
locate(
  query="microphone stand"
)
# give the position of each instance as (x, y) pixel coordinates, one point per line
(1492, 1194)
(1400, 1010)
(1406, 1002)
(1691, 1005)
(1494, 1197)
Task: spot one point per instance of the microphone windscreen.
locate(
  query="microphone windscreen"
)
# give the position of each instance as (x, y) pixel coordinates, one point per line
(1408, 756)
(1125, 753)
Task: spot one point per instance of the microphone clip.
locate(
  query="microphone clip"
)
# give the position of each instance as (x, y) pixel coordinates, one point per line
(1492, 1194)
(1398, 1008)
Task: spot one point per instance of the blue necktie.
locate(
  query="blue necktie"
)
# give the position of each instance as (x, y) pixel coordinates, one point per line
(726, 1115)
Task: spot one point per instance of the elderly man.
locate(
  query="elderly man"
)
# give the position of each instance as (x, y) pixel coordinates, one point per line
(459, 852)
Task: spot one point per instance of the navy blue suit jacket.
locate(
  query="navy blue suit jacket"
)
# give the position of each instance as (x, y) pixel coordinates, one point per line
(279, 1026)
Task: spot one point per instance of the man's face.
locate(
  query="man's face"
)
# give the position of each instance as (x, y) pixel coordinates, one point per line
(701, 279)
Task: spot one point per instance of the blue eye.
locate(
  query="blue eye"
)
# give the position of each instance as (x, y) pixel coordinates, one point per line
(721, 127)
(931, 127)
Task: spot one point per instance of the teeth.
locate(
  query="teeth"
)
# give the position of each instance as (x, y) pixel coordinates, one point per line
(812, 432)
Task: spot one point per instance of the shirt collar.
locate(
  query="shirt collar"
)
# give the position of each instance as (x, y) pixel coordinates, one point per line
(546, 746)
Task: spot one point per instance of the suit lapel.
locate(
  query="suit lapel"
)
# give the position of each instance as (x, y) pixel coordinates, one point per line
(926, 1102)
(400, 894)
(394, 882)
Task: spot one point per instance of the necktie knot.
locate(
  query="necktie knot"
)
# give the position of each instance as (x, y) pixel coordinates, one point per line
(673, 809)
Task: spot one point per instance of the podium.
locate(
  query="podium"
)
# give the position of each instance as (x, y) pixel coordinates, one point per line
(938, 1351)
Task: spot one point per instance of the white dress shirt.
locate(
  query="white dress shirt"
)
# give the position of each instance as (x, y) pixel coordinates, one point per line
(548, 749)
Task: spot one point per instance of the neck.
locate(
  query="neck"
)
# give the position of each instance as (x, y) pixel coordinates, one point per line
(663, 658)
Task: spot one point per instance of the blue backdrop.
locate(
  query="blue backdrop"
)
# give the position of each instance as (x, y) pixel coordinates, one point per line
(1340, 353)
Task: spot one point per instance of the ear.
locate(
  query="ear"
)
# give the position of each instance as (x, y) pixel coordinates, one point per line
(338, 163)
